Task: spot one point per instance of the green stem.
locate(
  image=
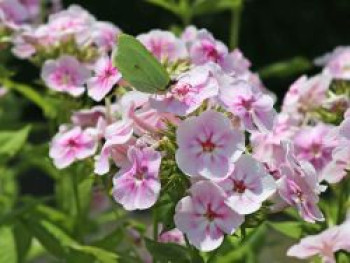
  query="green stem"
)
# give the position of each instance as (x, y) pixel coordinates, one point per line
(191, 250)
(155, 228)
(77, 204)
(155, 225)
(235, 25)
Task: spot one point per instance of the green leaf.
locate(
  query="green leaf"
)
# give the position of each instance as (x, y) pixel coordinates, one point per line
(54, 239)
(202, 7)
(23, 241)
(101, 255)
(8, 191)
(110, 241)
(31, 94)
(241, 248)
(138, 66)
(12, 141)
(8, 253)
(290, 229)
(167, 5)
(286, 68)
(167, 252)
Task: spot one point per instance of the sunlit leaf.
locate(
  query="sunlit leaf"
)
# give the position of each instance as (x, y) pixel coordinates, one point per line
(12, 141)
(8, 253)
(31, 94)
(167, 252)
(286, 68)
(202, 7)
(138, 66)
(290, 229)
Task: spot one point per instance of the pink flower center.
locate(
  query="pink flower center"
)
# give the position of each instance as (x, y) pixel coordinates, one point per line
(316, 149)
(208, 145)
(210, 214)
(211, 52)
(247, 104)
(239, 186)
(72, 143)
(141, 171)
(181, 91)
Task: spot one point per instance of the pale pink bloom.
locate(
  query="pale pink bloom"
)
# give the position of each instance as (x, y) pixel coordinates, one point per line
(208, 145)
(137, 185)
(254, 108)
(33, 8)
(236, 63)
(188, 93)
(105, 34)
(66, 74)
(306, 94)
(13, 11)
(72, 21)
(172, 236)
(88, 117)
(164, 45)
(324, 244)
(338, 63)
(344, 128)
(339, 167)
(248, 186)
(326, 58)
(117, 136)
(267, 147)
(189, 35)
(204, 216)
(69, 146)
(136, 107)
(206, 49)
(21, 48)
(105, 77)
(315, 145)
(299, 187)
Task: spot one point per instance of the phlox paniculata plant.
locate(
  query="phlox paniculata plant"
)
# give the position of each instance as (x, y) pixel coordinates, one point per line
(181, 126)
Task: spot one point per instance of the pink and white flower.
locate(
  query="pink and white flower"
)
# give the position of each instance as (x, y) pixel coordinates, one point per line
(71, 145)
(106, 76)
(88, 117)
(248, 186)
(65, 74)
(306, 94)
(315, 145)
(254, 108)
(208, 145)
(117, 137)
(338, 63)
(172, 236)
(204, 216)
(188, 93)
(206, 49)
(137, 185)
(339, 167)
(299, 187)
(164, 45)
(13, 11)
(324, 244)
(105, 35)
(267, 147)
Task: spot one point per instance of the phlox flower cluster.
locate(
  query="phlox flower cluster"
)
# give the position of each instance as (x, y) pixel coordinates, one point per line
(215, 125)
